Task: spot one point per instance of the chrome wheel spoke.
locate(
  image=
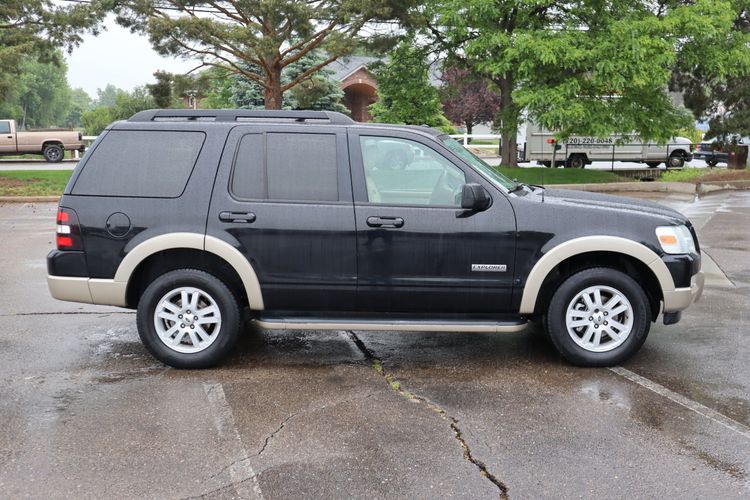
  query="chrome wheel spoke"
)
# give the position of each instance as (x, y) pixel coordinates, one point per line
(178, 338)
(617, 325)
(579, 323)
(167, 315)
(618, 310)
(588, 334)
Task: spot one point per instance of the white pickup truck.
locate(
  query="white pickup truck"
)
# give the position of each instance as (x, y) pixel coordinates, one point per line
(579, 151)
(51, 143)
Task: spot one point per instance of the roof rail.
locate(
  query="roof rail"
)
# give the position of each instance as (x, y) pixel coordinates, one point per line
(230, 115)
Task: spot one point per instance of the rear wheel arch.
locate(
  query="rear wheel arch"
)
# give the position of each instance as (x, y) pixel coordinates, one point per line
(573, 256)
(168, 252)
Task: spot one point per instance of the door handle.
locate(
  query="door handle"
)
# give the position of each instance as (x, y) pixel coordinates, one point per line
(247, 217)
(385, 222)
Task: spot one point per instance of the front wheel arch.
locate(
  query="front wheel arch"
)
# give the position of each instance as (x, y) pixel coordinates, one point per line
(618, 261)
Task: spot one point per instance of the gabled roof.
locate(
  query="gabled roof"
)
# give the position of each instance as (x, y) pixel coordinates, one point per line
(346, 66)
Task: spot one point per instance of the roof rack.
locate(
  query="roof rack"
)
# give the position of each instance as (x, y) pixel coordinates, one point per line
(230, 115)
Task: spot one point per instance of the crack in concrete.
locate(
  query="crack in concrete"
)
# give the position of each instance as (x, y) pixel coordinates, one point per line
(273, 434)
(397, 387)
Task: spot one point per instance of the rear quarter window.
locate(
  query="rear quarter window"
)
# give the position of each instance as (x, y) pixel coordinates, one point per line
(140, 163)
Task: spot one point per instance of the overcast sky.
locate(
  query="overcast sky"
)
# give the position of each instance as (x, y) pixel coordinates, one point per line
(118, 57)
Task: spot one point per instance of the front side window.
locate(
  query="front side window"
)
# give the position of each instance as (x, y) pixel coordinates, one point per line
(405, 172)
(286, 167)
(4, 127)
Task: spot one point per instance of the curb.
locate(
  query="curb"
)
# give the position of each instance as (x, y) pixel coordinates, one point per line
(29, 199)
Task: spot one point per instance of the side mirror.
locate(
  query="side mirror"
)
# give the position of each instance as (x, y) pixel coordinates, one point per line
(475, 197)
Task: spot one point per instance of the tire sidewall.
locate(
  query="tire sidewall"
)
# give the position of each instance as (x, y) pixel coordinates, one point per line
(557, 309)
(225, 300)
(676, 162)
(53, 147)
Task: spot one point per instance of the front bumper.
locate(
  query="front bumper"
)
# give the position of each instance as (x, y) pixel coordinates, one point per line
(680, 298)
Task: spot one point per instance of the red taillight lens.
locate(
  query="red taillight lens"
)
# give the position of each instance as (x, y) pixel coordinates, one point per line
(68, 230)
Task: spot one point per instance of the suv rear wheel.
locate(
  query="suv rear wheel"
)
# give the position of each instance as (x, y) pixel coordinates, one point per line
(188, 319)
(598, 317)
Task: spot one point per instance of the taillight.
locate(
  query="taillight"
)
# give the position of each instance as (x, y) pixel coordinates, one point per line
(692, 147)
(68, 230)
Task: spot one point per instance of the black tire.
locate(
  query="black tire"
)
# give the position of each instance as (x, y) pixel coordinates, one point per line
(577, 161)
(676, 161)
(53, 153)
(226, 336)
(712, 163)
(653, 164)
(555, 318)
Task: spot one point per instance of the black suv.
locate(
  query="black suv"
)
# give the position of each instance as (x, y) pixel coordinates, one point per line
(313, 221)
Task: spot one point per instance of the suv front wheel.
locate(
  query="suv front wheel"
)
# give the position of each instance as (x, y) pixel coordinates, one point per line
(598, 317)
(188, 319)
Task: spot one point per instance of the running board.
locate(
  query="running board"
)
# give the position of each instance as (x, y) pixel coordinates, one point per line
(397, 326)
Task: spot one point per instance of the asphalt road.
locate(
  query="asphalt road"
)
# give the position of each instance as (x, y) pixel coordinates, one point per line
(85, 412)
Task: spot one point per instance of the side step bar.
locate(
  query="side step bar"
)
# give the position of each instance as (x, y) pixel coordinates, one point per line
(385, 325)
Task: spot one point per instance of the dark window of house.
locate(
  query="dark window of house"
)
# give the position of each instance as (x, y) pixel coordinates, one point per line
(143, 163)
(297, 167)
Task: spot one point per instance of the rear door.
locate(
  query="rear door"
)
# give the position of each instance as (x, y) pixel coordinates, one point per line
(418, 251)
(283, 197)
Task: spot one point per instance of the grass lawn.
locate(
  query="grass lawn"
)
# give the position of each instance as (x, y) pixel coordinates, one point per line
(33, 182)
(705, 175)
(542, 175)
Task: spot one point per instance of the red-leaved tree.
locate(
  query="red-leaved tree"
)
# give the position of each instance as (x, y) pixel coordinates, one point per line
(467, 99)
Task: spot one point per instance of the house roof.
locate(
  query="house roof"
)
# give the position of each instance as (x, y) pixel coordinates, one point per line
(346, 66)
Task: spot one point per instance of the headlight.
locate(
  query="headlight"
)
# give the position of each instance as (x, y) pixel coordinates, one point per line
(675, 239)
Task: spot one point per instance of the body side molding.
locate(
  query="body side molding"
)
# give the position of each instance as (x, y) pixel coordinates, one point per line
(588, 244)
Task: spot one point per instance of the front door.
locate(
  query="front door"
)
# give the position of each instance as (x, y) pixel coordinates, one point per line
(283, 197)
(418, 251)
(7, 139)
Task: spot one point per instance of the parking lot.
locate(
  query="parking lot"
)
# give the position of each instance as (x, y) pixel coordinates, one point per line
(85, 412)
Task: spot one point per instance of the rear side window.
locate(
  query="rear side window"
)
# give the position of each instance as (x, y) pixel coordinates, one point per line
(142, 163)
(286, 167)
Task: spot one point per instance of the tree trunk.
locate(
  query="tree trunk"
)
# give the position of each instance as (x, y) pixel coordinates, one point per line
(272, 94)
(508, 118)
(469, 127)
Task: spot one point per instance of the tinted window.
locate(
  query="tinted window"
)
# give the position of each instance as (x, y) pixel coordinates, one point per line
(4, 128)
(297, 167)
(404, 172)
(140, 163)
(249, 177)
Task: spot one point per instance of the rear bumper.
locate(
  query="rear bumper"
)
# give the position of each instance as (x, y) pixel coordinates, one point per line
(680, 298)
(87, 290)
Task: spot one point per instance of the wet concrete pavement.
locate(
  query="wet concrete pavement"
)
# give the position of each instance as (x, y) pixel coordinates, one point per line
(85, 412)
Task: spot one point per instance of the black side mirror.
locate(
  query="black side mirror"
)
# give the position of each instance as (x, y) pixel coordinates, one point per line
(475, 197)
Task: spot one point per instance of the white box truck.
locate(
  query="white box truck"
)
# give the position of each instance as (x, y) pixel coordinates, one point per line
(579, 151)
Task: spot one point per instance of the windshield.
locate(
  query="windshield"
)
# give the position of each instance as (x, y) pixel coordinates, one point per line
(490, 173)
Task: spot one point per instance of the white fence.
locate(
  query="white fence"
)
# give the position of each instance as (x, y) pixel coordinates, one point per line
(465, 138)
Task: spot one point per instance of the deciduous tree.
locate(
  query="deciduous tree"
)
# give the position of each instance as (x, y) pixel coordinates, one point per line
(467, 98)
(405, 94)
(39, 28)
(590, 67)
